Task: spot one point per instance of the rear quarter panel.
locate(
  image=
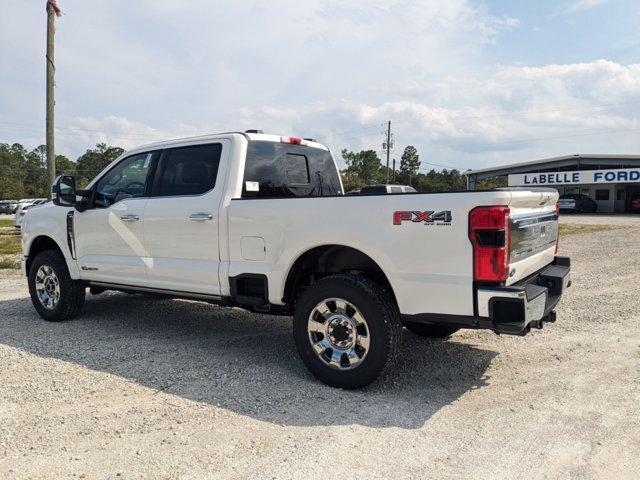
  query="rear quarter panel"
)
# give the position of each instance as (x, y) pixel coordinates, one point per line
(429, 266)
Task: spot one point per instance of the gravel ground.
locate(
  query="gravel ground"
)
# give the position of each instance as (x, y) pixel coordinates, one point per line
(138, 388)
(601, 219)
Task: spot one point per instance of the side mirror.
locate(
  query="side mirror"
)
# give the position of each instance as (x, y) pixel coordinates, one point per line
(63, 191)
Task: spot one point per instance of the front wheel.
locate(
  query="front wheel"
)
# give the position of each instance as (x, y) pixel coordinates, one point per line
(54, 294)
(347, 330)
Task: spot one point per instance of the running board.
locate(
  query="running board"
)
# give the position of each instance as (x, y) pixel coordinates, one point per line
(161, 291)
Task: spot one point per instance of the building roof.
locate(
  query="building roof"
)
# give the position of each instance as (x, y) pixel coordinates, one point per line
(549, 162)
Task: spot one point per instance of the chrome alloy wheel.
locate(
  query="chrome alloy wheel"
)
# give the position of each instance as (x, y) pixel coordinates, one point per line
(47, 287)
(338, 333)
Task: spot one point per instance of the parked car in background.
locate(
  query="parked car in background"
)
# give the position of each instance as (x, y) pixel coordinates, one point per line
(635, 202)
(8, 206)
(381, 189)
(577, 203)
(22, 208)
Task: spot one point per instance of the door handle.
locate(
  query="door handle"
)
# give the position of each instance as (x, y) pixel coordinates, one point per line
(129, 218)
(201, 216)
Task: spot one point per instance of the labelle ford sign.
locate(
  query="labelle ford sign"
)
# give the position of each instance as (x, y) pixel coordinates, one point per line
(626, 175)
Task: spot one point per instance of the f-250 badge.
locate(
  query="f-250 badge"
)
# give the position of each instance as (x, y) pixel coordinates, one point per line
(427, 217)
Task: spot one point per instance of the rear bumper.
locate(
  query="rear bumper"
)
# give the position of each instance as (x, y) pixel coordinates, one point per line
(529, 303)
(515, 309)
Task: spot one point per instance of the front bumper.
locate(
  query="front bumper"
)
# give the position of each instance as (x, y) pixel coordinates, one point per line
(529, 303)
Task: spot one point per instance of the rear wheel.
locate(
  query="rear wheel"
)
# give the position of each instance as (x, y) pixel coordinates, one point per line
(430, 331)
(347, 330)
(54, 294)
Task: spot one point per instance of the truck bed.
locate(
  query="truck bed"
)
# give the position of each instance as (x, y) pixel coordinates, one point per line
(420, 241)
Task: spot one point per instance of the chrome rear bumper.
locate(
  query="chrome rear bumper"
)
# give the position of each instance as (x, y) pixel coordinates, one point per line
(528, 303)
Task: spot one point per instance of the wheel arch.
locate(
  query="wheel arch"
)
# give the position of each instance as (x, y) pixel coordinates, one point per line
(329, 259)
(38, 245)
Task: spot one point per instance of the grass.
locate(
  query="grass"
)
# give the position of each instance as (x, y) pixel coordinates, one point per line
(570, 229)
(9, 264)
(10, 245)
(6, 222)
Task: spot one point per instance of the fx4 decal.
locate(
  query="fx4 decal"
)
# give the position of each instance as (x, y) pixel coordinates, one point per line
(428, 217)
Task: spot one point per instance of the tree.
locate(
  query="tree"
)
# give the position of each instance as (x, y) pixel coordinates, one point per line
(363, 167)
(36, 180)
(409, 164)
(23, 174)
(494, 182)
(93, 161)
(64, 166)
(12, 171)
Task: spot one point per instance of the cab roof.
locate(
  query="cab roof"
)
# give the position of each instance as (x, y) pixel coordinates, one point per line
(263, 137)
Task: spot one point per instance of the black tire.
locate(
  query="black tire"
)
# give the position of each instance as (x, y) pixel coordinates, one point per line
(72, 292)
(382, 320)
(430, 331)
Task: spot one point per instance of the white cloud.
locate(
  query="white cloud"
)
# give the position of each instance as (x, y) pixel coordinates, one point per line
(134, 72)
(518, 113)
(526, 112)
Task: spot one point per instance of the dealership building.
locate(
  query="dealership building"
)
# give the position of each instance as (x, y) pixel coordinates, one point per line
(612, 181)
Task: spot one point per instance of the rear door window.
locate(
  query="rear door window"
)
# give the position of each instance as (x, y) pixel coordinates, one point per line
(188, 170)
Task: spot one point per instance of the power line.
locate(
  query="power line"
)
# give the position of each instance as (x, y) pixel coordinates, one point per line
(340, 134)
(515, 142)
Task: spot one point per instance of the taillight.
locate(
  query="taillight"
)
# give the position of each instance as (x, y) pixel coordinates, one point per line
(558, 226)
(490, 234)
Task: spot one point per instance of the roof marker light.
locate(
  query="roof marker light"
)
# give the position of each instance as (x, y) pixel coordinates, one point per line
(291, 140)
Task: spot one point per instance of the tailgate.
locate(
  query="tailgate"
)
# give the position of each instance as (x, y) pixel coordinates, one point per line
(534, 232)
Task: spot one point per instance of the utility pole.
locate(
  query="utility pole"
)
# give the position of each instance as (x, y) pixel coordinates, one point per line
(53, 11)
(388, 145)
(394, 171)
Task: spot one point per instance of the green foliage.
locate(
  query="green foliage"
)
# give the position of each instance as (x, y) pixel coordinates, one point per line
(23, 174)
(442, 181)
(489, 183)
(93, 161)
(363, 168)
(9, 264)
(64, 166)
(12, 163)
(409, 164)
(10, 244)
(6, 222)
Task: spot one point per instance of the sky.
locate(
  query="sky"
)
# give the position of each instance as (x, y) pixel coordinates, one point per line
(469, 83)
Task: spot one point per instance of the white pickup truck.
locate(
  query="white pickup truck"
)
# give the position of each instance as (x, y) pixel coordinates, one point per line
(261, 222)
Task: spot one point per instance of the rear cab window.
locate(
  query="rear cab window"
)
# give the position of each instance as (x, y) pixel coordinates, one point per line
(281, 170)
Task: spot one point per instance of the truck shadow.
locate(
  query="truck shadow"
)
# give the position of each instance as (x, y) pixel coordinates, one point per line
(242, 362)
